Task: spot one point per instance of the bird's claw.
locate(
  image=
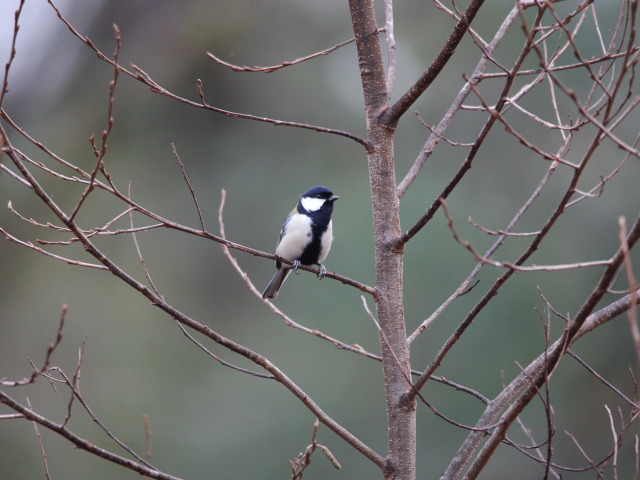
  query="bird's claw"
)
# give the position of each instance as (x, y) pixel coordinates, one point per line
(322, 272)
(296, 265)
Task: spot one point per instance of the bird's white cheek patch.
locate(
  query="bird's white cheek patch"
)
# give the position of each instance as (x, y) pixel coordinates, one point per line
(312, 204)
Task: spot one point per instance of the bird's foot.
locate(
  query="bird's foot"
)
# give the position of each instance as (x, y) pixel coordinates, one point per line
(322, 272)
(296, 265)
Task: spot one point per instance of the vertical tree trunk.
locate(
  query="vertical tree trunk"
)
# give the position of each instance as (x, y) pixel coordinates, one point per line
(401, 416)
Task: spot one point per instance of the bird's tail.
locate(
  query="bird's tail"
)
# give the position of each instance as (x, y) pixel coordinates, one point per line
(276, 282)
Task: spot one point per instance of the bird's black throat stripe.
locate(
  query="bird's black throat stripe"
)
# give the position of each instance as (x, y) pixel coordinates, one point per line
(311, 253)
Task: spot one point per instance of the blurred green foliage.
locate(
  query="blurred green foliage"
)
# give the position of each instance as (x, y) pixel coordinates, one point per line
(208, 421)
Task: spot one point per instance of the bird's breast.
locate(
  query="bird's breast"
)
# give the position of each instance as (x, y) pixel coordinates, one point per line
(325, 242)
(295, 238)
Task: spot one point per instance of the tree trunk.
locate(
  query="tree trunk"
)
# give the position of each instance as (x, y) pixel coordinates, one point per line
(401, 416)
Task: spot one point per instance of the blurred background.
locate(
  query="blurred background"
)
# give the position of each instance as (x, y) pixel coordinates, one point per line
(209, 421)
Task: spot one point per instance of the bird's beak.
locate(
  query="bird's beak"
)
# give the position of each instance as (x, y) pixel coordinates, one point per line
(333, 198)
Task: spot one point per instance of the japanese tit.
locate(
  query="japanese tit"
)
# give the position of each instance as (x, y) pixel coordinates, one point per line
(306, 236)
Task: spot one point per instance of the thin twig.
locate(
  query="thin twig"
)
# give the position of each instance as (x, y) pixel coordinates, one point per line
(74, 386)
(147, 436)
(393, 114)
(134, 237)
(599, 377)
(614, 465)
(513, 266)
(12, 54)
(303, 460)
(273, 68)
(633, 286)
(186, 179)
(594, 467)
(49, 254)
(43, 453)
(218, 359)
(47, 358)
(102, 151)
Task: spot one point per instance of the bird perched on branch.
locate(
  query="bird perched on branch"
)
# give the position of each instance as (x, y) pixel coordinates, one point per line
(305, 238)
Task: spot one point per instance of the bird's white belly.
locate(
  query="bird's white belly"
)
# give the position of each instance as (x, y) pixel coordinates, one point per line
(296, 237)
(325, 242)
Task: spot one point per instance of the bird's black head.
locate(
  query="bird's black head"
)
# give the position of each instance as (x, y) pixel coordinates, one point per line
(316, 199)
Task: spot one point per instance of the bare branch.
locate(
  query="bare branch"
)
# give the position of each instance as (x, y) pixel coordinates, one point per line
(147, 436)
(615, 443)
(521, 388)
(134, 237)
(633, 287)
(392, 116)
(218, 359)
(513, 266)
(47, 358)
(600, 378)
(466, 165)
(102, 151)
(82, 443)
(144, 78)
(559, 68)
(186, 179)
(12, 54)
(30, 245)
(594, 467)
(434, 131)
(43, 453)
(303, 460)
(273, 68)
(465, 284)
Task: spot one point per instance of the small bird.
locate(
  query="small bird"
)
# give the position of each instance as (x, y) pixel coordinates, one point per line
(306, 236)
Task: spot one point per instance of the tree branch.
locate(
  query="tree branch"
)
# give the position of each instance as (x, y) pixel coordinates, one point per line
(144, 78)
(466, 165)
(522, 388)
(273, 68)
(392, 116)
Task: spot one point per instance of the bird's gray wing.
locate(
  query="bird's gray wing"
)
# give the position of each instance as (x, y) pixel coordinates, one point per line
(284, 226)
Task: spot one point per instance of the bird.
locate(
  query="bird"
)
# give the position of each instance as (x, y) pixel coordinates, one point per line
(305, 238)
